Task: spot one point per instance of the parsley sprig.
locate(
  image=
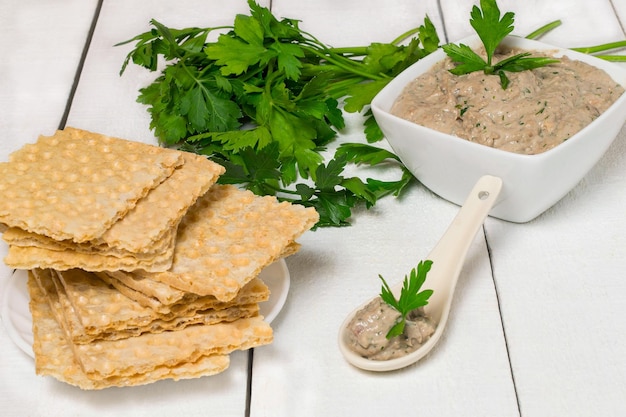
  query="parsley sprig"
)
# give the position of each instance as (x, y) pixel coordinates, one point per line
(265, 99)
(492, 29)
(410, 296)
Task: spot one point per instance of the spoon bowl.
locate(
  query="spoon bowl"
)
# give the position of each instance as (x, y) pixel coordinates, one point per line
(448, 258)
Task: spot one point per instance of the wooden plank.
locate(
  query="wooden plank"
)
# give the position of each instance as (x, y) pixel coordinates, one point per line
(105, 102)
(41, 55)
(583, 22)
(44, 71)
(303, 373)
(41, 44)
(559, 277)
(356, 23)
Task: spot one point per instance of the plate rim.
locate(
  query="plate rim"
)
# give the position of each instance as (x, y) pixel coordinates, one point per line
(10, 288)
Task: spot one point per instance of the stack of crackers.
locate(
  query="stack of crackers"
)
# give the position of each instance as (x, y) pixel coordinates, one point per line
(141, 267)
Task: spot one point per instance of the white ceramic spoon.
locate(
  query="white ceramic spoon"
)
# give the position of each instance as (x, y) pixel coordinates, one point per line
(448, 258)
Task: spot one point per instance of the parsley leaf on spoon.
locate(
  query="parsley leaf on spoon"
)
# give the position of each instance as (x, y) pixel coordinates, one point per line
(492, 29)
(410, 296)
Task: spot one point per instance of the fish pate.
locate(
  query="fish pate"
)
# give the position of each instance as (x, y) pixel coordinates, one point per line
(367, 331)
(540, 109)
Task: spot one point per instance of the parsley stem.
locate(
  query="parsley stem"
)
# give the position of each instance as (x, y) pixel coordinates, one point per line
(338, 89)
(584, 49)
(600, 48)
(543, 29)
(344, 63)
(314, 69)
(613, 58)
(405, 35)
(279, 190)
(350, 50)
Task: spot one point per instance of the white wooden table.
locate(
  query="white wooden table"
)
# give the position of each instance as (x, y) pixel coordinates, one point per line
(538, 321)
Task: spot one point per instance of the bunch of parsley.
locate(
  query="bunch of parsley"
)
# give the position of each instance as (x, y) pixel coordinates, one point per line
(264, 101)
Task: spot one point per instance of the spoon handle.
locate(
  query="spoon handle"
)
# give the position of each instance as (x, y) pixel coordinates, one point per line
(449, 254)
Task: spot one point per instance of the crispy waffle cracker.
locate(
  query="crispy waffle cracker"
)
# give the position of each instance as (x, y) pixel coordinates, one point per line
(16, 237)
(147, 292)
(34, 257)
(163, 208)
(160, 293)
(228, 237)
(54, 355)
(91, 310)
(59, 304)
(75, 184)
(144, 238)
(145, 353)
(167, 300)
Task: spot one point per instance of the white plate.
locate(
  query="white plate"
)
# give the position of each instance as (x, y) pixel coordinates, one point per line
(276, 277)
(15, 312)
(17, 319)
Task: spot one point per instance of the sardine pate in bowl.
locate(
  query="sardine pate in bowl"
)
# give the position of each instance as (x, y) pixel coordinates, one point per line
(532, 182)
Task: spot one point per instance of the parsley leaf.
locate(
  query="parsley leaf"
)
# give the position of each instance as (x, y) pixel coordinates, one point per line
(410, 298)
(489, 26)
(491, 29)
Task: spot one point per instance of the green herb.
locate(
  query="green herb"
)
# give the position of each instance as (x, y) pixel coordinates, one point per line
(491, 30)
(410, 296)
(543, 29)
(263, 99)
(604, 47)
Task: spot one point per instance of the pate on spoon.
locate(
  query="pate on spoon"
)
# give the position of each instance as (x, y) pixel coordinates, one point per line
(447, 258)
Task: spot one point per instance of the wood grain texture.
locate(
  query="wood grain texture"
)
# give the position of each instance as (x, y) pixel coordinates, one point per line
(536, 323)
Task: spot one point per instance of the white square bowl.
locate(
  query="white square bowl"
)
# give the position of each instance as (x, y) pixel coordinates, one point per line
(449, 166)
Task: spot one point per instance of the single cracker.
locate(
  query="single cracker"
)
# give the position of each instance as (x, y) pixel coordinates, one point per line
(16, 237)
(167, 300)
(59, 304)
(156, 294)
(33, 257)
(76, 184)
(145, 353)
(228, 237)
(163, 208)
(54, 356)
